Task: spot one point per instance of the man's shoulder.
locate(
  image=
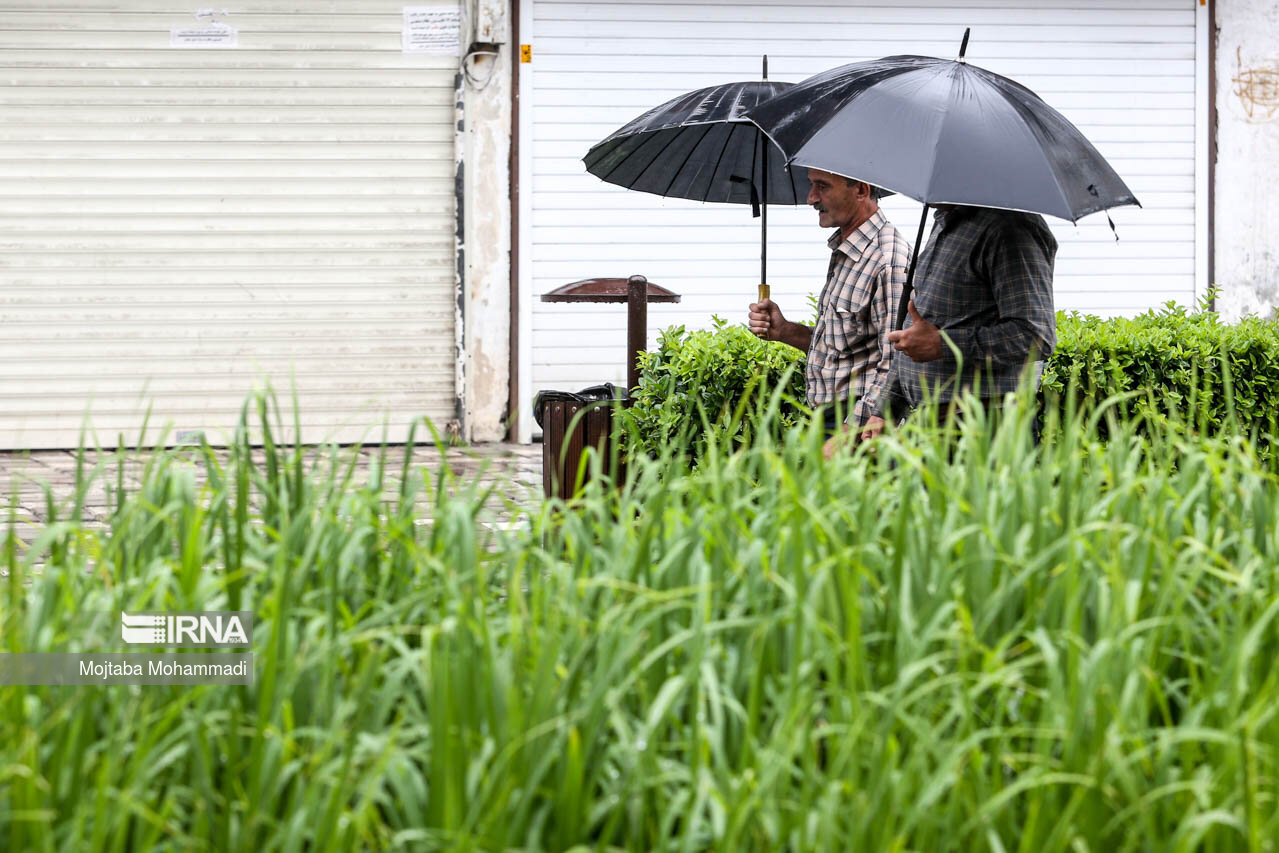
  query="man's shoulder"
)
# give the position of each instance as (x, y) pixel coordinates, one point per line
(998, 218)
(1016, 225)
(891, 247)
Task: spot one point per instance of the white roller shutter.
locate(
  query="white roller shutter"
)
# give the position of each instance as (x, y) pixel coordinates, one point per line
(1124, 71)
(180, 225)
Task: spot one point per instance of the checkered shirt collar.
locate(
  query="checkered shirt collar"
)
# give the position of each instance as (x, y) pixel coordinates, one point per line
(861, 239)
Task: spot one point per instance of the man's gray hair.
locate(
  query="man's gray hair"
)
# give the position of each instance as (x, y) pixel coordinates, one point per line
(876, 193)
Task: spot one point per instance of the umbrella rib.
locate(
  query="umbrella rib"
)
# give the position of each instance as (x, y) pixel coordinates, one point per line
(786, 159)
(1024, 116)
(671, 182)
(656, 157)
(616, 166)
(790, 174)
(728, 138)
(1039, 148)
(641, 151)
(936, 147)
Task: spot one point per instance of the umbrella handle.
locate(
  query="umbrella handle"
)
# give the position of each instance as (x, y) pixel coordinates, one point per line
(903, 307)
(763, 292)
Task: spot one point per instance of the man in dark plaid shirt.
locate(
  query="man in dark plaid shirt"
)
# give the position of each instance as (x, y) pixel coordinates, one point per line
(985, 282)
(848, 352)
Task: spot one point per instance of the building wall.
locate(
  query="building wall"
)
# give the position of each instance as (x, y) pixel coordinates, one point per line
(180, 224)
(1132, 75)
(1247, 168)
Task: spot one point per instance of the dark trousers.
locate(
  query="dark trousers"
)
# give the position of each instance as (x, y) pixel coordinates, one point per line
(991, 406)
(832, 415)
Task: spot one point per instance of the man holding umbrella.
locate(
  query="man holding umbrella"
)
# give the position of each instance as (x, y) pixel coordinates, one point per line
(849, 354)
(984, 281)
(980, 149)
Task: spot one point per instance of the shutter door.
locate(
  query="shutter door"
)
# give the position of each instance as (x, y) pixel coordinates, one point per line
(178, 226)
(1125, 73)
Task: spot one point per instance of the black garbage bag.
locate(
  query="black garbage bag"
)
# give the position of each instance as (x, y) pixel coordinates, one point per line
(593, 394)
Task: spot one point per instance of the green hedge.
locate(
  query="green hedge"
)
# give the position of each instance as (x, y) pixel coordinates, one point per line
(1177, 365)
(1180, 365)
(705, 381)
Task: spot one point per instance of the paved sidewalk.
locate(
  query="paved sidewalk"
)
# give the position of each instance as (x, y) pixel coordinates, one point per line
(514, 470)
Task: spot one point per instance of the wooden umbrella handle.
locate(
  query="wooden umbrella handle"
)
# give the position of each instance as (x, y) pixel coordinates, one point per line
(763, 292)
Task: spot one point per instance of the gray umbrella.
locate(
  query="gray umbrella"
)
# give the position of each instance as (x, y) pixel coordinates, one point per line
(942, 132)
(700, 146)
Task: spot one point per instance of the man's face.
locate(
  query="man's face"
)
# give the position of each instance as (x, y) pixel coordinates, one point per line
(836, 203)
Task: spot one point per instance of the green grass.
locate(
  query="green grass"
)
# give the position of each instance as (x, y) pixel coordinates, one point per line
(954, 641)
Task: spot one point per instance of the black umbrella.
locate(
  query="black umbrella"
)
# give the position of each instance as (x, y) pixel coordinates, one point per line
(942, 132)
(700, 146)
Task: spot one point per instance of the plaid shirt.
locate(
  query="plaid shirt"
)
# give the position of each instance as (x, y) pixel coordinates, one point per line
(849, 354)
(985, 279)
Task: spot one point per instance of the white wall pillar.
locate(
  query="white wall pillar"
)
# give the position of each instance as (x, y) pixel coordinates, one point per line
(487, 222)
(1247, 178)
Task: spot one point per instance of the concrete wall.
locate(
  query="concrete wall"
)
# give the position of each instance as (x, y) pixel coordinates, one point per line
(1246, 208)
(487, 225)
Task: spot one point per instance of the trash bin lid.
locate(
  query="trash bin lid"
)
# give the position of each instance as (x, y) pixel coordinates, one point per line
(608, 392)
(605, 290)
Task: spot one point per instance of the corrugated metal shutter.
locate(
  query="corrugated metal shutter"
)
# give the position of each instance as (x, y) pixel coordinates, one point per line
(180, 225)
(1125, 72)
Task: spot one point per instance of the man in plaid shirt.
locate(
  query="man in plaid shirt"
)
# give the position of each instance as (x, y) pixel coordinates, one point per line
(848, 351)
(984, 281)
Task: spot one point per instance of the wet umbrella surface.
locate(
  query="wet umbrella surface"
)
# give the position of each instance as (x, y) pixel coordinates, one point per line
(942, 131)
(700, 146)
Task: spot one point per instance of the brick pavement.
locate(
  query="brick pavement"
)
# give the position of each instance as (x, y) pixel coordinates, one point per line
(515, 470)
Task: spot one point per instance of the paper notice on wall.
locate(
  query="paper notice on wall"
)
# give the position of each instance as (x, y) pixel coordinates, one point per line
(431, 30)
(213, 35)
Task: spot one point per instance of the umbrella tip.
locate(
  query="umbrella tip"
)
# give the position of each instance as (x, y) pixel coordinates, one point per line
(963, 47)
(765, 66)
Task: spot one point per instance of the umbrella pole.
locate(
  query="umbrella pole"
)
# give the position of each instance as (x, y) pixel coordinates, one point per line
(903, 306)
(763, 222)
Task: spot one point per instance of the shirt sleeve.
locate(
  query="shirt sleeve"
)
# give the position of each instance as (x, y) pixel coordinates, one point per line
(1018, 262)
(892, 398)
(883, 313)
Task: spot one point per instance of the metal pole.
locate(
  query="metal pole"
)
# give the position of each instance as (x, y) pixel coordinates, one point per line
(636, 326)
(904, 305)
(763, 197)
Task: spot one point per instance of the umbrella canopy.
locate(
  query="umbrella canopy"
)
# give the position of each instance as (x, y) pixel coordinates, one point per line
(700, 146)
(942, 132)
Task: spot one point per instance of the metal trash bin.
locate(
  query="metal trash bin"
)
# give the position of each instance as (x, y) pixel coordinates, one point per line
(554, 410)
(564, 442)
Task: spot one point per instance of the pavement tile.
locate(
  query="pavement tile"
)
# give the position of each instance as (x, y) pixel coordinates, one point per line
(515, 471)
